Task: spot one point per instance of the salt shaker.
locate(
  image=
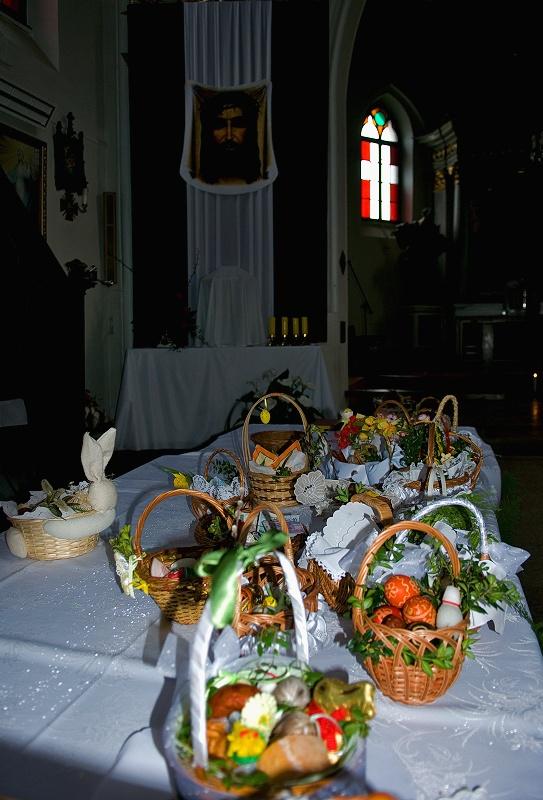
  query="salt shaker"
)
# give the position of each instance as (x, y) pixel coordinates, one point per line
(449, 613)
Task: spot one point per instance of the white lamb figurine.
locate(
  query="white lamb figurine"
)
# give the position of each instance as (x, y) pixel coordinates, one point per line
(95, 455)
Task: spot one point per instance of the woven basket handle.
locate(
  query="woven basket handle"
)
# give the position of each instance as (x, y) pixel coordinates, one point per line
(381, 407)
(420, 405)
(459, 501)
(237, 463)
(441, 407)
(191, 493)
(412, 525)
(253, 514)
(200, 650)
(245, 435)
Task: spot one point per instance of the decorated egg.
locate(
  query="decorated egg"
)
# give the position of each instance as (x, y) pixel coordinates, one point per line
(419, 609)
(399, 588)
(385, 611)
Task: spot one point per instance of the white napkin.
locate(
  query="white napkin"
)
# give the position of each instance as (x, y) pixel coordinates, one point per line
(216, 487)
(95, 456)
(341, 545)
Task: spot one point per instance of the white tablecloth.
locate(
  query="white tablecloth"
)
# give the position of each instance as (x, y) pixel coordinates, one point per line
(87, 676)
(178, 399)
(229, 309)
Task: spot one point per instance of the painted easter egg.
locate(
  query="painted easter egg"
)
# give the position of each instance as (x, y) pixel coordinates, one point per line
(385, 611)
(419, 609)
(399, 588)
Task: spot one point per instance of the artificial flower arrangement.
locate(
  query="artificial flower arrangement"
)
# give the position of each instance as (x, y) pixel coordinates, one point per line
(223, 480)
(360, 436)
(395, 452)
(267, 719)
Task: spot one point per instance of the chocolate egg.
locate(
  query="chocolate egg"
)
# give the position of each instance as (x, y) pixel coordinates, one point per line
(399, 589)
(419, 609)
(392, 621)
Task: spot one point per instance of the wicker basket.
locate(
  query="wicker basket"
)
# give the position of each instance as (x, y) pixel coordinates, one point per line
(201, 509)
(336, 593)
(470, 478)
(273, 488)
(394, 407)
(180, 601)
(409, 684)
(41, 546)
(269, 571)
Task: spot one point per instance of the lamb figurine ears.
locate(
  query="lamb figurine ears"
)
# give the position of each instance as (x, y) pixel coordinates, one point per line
(95, 455)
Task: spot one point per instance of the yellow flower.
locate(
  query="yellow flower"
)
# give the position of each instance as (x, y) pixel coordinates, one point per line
(180, 481)
(369, 421)
(269, 602)
(387, 428)
(245, 742)
(363, 437)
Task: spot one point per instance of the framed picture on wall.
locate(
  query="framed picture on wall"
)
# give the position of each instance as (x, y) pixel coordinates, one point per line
(24, 160)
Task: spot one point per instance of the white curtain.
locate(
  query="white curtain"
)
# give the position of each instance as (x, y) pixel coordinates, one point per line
(228, 44)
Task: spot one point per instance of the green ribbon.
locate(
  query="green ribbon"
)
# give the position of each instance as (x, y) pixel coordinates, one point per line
(225, 567)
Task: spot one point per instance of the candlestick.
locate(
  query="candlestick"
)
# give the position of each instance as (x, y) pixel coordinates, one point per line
(296, 329)
(271, 330)
(305, 329)
(284, 330)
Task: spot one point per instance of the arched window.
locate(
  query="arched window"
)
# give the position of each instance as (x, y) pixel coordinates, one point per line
(379, 168)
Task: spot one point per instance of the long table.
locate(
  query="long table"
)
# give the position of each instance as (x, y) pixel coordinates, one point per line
(88, 676)
(177, 399)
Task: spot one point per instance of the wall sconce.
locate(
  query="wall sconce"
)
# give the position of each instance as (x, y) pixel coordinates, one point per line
(70, 169)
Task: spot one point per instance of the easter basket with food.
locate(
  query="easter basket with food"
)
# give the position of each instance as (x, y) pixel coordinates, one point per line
(448, 458)
(413, 634)
(278, 459)
(264, 600)
(333, 555)
(265, 724)
(65, 523)
(409, 659)
(166, 575)
(223, 479)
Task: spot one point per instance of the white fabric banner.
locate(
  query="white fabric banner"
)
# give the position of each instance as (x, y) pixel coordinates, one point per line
(229, 45)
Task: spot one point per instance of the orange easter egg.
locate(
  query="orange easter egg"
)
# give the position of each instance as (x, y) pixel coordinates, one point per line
(384, 611)
(419, 609)
(399, 588)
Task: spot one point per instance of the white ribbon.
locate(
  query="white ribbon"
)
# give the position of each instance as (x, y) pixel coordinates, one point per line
(200, 650)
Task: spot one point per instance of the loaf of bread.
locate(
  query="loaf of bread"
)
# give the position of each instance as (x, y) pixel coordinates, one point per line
(293, 756)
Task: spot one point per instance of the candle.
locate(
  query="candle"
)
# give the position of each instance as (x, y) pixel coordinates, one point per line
(295, 327)
(284, 326)
(305, 327)
(271, 326)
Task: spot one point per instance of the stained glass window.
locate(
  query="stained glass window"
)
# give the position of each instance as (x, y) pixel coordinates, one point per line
(379, 168)
(15, 9)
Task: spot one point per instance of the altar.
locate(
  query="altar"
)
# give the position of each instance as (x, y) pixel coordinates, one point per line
(179, 399)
